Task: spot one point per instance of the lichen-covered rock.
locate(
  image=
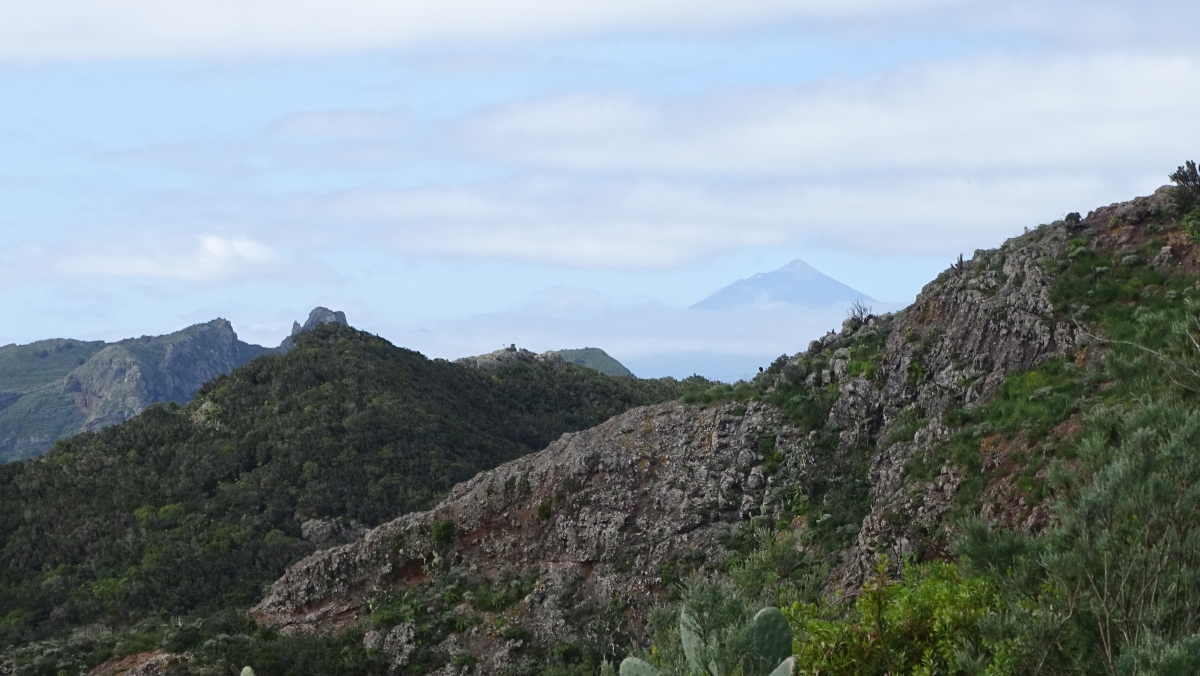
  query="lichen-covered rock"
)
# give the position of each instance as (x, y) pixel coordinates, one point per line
(651, 486)
(510, 356)
(332, 532)
(399, 645)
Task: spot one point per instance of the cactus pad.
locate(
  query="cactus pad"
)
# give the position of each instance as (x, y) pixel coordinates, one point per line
(690, 640)
(770, 639)
(785, 668)
(632, 666)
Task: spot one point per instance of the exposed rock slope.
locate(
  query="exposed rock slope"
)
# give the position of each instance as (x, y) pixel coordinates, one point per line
(600, 511)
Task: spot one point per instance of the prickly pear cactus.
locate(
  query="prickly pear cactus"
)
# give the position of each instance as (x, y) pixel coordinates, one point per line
(785, 668)
(632, 666)
(770, 639)
(691, 641)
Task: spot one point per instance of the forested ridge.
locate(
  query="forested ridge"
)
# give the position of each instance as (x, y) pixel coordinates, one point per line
(194, 508)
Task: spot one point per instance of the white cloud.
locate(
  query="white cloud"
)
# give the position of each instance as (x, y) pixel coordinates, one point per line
(346, 124)
(213, 258)
(653, 224)
(1063, 112)
(940, 158)
(936, 158)
(588, 223)
(74, 29)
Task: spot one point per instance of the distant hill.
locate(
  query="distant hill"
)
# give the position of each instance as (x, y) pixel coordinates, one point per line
(595, 358)
(53, 389)
(796, 283)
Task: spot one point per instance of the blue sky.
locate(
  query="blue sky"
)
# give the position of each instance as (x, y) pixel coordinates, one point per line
(456, 175)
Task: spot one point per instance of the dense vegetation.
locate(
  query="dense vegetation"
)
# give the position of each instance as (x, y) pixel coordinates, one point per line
(191, 510)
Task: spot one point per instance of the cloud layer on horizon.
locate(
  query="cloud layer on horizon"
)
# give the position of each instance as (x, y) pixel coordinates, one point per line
(197, 149)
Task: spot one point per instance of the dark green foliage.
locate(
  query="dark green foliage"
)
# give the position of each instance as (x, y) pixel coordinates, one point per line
(1187, 185)
(1036, 400)
(866, 353)
(595, 358)
(807, 407)
(196, 508)
(443, 533)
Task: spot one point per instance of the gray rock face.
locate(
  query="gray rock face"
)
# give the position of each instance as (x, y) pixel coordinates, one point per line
(399, 645)
(954, 346)
(979, 322)
(126, 377)
(319, 315)
(509, 356)
(331, 532)
(616, 502)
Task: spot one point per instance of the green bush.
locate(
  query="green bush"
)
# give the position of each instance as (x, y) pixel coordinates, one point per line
(928, 622)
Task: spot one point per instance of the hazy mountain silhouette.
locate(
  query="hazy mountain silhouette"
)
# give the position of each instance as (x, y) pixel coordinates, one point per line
(796, 283)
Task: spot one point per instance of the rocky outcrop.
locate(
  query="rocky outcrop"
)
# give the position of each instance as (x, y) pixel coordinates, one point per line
(152, 663)
(319, 315)
(599, 511)
(509, 356)
(980, 321)
(331, 532)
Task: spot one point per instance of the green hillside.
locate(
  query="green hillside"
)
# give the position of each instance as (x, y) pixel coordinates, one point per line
(195, 508)
(595, 358)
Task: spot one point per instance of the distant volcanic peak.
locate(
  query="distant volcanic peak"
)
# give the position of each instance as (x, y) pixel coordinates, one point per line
(798, 269)
(796, 283)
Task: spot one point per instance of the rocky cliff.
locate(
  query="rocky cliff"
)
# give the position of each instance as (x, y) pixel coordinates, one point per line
(125, 377)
